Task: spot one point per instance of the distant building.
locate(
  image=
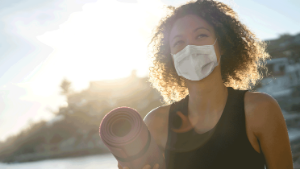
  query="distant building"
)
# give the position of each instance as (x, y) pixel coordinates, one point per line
(284, 77)
(284, 67)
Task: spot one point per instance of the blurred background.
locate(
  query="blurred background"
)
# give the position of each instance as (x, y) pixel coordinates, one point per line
(64, 64)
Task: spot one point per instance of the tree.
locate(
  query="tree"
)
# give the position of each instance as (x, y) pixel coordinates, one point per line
(66, 87)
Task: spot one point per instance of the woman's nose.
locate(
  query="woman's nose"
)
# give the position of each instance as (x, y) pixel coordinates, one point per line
(190, 41)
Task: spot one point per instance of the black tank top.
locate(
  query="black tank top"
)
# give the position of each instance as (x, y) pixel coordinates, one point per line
(225, 146)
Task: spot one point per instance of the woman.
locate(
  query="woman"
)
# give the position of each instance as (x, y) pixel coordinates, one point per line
(205, 61)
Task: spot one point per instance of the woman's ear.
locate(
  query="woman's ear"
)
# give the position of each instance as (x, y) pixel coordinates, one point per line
(221, 48)
(222, 51)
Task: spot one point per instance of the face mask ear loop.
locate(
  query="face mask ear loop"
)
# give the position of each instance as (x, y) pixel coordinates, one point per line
(219, 60)
(177, 71)
(220, 55)
(215, 41)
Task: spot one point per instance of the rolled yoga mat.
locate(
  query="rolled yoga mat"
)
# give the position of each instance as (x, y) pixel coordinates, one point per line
(127, 137)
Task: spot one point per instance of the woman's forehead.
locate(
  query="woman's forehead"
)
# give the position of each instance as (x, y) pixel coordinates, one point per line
(187, 24)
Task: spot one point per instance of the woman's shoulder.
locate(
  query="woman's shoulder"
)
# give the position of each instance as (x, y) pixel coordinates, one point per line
(260, 108)
(157, 123)
(258, 100)
(268, 125)
(157, 114)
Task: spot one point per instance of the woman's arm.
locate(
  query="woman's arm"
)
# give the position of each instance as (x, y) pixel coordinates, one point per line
(269, 127)
(155, 122)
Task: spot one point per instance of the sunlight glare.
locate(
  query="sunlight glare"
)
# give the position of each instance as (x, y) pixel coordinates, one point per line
(104, 41)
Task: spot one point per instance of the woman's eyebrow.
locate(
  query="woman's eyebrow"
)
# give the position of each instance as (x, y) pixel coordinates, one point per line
(201, 28)
(194, 31)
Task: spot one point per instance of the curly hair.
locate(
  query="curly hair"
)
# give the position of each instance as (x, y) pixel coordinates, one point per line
(243, 57)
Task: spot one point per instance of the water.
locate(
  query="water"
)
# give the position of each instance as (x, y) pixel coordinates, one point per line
(106, 161)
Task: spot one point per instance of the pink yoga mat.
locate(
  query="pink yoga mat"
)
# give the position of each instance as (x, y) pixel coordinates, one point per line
(127, 137)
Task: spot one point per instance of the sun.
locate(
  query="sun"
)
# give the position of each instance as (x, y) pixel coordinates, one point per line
(106, 40)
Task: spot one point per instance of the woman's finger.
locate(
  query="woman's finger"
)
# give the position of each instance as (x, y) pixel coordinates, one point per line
(147, 167)
(156, 166)
(119, 166)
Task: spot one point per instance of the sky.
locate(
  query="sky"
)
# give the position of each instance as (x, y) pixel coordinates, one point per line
(43, 42)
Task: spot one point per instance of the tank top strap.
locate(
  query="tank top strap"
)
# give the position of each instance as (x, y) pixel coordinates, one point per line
(174, 120)
(235, 108)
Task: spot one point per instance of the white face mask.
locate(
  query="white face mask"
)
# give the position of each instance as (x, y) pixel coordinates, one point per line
(195, 62)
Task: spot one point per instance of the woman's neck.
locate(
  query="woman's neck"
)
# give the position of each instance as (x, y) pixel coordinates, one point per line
(207, 97)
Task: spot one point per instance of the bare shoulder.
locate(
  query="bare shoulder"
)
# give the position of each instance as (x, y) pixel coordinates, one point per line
(257, 101)
(157, 112)
(268, 124)
(157, 123)
(260, 108)
(254, 100)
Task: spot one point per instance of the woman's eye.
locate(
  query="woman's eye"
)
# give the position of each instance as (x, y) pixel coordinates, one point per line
(177, 42)
(202, 35)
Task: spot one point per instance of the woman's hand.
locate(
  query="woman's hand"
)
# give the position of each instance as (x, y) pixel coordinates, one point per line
(156, 166)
